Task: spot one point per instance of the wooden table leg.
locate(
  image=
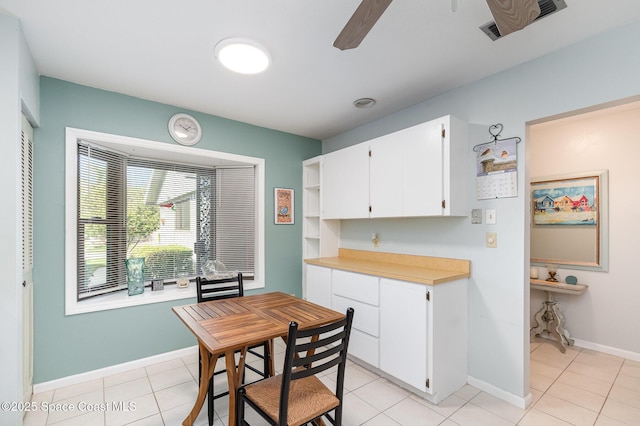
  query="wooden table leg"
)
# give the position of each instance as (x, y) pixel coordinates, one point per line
(206, 372)
(270, 350)
(234, 377)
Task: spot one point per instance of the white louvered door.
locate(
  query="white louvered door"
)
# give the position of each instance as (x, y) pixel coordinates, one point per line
(27, 257)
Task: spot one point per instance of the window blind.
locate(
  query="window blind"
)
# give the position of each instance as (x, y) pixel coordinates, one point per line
(175, 216)
(27, 203)
(234, 232)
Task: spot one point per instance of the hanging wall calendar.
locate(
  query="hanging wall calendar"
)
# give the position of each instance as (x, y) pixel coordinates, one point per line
(497, 166)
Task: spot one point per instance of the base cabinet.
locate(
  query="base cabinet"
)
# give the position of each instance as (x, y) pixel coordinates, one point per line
(318, 285)
(414, 334)
(404, 332)
(360, 292)
(423, 335)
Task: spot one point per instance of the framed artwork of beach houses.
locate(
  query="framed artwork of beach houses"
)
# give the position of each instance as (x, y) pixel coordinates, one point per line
(571, 201)
(569, 220)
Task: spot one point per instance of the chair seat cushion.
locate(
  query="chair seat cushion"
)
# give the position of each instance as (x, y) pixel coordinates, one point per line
(309, 398)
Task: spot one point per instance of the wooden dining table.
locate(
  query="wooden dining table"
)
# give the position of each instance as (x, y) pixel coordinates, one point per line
(224, 326)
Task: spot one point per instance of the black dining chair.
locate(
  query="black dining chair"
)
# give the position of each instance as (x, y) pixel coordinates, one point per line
(225, 288)
(297, 396)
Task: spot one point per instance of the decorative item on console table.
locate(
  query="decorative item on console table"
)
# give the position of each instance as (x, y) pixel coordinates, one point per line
(553, 270)
(571, 279)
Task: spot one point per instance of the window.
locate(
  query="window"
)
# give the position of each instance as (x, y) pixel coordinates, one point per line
(183, 213)
(131, 198)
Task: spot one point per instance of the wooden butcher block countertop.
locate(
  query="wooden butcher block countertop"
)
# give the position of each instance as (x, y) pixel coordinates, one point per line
(405, 267)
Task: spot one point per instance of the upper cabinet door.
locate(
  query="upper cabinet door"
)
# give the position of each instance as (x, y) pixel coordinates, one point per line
(345, 183)
(418, 171)
(385, 176)
(422, 171)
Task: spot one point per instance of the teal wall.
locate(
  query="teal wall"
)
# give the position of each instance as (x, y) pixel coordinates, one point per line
(66, 345)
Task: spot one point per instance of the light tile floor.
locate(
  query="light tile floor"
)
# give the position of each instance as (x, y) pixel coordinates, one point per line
(580, 387)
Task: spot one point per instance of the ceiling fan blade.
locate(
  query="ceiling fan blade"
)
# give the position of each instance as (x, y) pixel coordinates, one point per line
(361, 22)
(513, 15)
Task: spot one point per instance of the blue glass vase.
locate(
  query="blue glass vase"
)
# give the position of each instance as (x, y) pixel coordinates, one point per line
(135, 275)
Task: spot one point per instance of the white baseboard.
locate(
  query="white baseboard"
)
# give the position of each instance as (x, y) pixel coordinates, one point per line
(518, 401)
(113, 369)
(634, 356)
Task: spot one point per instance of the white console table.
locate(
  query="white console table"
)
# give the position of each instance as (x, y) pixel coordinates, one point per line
(549, 319)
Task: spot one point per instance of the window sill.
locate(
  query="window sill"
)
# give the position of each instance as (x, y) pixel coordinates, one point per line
(121, 299)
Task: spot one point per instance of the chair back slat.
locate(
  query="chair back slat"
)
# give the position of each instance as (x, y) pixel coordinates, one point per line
(311, 357)
(219, 288)
(324, 340)
(313, 370)
(322, 330)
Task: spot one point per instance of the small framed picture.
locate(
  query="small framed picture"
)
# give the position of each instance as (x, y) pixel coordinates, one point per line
(284, 202)
(157, 285)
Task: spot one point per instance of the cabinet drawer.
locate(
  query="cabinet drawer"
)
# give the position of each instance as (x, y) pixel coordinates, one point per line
(365, 317)
(363, 288)
(364, 347)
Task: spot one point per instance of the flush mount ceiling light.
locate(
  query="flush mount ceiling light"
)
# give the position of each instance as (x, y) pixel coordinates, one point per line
(364, 103)
(242, 55)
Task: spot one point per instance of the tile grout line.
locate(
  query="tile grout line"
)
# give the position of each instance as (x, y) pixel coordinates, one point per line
(549, 387)
(610, 389)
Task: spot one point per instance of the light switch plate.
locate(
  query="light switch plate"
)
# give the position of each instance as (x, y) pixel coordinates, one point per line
(491, 217)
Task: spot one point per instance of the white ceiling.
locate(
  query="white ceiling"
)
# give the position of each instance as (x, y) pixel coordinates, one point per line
(162, 50)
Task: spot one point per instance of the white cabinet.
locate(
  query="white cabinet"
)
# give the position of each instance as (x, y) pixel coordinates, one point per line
(340, 290)
(345, 183)
(414, 334)
(385, 176)
(423, 335)
(455, 166)
(319, 236)
(417, 171)
(404, 332)
(356, 286)
(318, 285)
(423, 169)
(361, 293)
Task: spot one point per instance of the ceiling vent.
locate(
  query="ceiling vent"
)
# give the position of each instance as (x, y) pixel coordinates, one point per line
(547, 7)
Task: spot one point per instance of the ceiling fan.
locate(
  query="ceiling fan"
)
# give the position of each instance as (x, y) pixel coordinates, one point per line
(510, 16)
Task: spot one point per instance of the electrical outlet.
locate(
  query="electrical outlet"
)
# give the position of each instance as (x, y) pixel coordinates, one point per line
(491, 240)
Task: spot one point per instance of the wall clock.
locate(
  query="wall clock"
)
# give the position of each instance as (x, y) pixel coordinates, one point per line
(185, 129)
